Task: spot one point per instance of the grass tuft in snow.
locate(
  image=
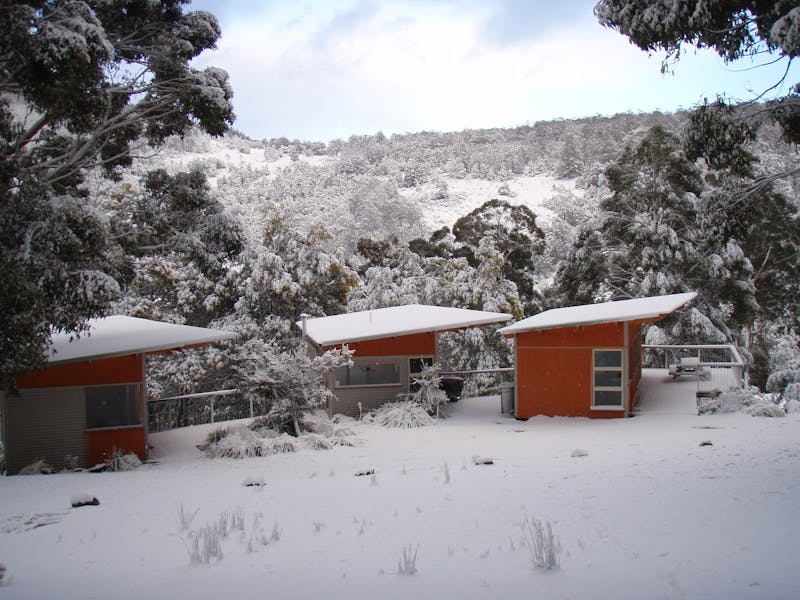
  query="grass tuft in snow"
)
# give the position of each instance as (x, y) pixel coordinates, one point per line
(446, 473)
(407, 565)
(185, 517)
(275, 536)
(543, 546)
(204, 545)
(122, 461)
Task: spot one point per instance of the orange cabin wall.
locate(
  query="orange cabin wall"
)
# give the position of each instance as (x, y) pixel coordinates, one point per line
(414, 344)
(100, 443)
(554, 369)
(104, 371)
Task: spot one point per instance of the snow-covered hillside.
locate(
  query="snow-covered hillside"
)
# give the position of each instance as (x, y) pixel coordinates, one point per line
(647, 512)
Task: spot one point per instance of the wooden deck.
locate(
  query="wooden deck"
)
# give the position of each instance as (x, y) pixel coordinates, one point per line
(660, 393)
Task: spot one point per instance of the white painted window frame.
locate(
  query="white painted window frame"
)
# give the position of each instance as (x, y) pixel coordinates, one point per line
(621, 388)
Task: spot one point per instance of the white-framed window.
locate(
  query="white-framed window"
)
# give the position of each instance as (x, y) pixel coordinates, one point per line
(373, 373)
(607, 384)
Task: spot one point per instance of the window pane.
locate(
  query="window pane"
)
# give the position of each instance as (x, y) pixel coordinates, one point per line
(608, 379)
(607, 398)
(417, 365)
(368, 374)
(111, 406)
(608, 358)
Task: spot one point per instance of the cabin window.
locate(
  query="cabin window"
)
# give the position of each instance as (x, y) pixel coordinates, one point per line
(369, 373)
(607, 379)
(416, 365)
(112, 406)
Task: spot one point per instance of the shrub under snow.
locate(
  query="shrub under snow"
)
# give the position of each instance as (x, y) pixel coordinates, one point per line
(405, 414)
(257, 439)
(747, 400)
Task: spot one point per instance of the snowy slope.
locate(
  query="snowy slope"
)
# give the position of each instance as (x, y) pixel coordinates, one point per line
(648, 513)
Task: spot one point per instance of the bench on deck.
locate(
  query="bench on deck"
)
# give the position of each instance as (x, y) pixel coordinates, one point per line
(689, 365)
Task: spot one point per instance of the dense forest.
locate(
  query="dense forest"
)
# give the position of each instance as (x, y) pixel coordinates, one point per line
(248, 235)
(124, 190)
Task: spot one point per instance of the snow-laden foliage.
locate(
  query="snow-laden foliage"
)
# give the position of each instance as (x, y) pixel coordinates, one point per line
(39, 467)
(404, 414)
(123, 461)
(292, 381)
(784, 359)
(747, 400)
(80, 83)
(427, 391)
(261, 438)
(768, 31)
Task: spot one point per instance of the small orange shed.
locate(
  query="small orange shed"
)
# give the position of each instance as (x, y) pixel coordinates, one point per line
(584, 361)
(90, 396)
(390, 347)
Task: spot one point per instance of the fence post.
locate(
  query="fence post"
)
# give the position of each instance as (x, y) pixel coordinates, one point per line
(251, 407)
(212, 409)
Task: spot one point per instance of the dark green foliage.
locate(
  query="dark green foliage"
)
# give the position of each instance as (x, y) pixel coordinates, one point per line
(719, 134)
(516, 236)
(581, 276)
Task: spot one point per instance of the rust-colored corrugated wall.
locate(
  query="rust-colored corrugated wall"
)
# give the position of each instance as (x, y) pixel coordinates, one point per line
(554, 370)
(47, 420)
(414, 344)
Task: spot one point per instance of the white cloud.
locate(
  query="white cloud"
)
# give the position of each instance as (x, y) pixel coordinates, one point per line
(348, 68)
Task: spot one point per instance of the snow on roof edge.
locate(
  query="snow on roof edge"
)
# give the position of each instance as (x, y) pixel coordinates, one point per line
(120, 335)
(323, 338)
(575, 316)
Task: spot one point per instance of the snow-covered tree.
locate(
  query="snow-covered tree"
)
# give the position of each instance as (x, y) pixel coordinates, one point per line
(292, 381)
(768, 31)
(80, 82)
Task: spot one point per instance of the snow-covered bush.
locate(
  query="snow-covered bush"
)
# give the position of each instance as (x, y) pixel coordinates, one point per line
(428, 394)
(747, 400)
(784, 363)
(259, 439)
(293, 381)
(238, 442)
(40, 467)
(122, 461)
(405, 414)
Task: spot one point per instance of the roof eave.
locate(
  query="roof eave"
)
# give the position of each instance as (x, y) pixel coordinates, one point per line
(153, 349)
(380, 336)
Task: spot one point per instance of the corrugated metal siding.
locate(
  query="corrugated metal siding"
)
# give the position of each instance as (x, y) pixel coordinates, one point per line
(46, 423)
(347, 398)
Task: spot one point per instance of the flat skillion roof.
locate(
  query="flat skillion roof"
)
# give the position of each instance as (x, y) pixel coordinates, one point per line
(394, 321)
(655, 307)
(120, 335)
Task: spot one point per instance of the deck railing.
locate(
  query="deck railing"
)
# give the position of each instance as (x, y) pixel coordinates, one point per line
(200, 408)
(725, 367)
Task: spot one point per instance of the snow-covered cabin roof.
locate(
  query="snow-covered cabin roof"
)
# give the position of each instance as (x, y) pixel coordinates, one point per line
(120, 335)
(608, 312)
(394, 321)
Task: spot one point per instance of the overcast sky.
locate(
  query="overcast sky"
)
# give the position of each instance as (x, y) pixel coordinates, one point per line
(323, 69)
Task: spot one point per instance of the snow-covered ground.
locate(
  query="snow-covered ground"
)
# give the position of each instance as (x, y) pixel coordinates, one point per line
(647, 513)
